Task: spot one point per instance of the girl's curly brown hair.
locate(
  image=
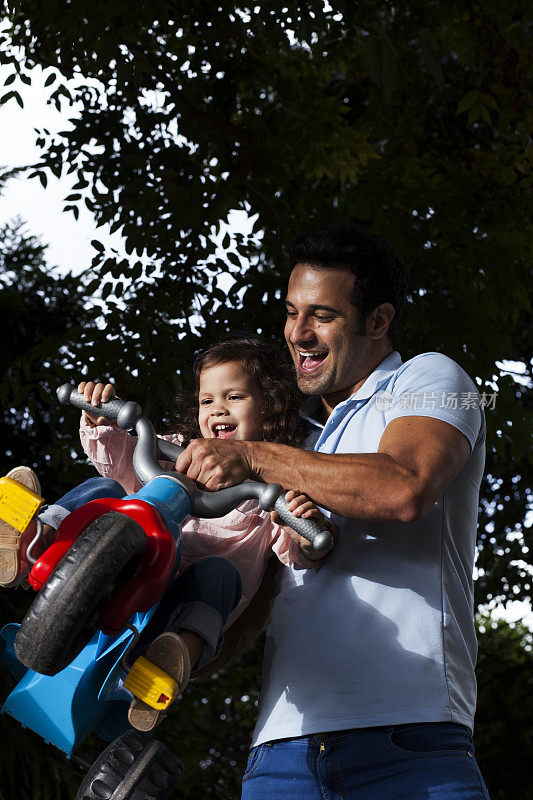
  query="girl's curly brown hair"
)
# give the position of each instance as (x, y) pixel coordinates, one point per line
(273, 375)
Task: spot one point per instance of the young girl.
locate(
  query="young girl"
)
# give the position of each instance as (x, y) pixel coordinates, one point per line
(244, 389)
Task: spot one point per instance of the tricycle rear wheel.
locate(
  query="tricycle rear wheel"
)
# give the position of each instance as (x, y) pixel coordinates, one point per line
(64, 615)
(133, 767)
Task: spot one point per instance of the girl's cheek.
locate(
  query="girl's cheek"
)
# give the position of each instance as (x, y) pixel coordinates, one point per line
(204, 429)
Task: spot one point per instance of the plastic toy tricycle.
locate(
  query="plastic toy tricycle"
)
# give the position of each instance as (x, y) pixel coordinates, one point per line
(98, 585)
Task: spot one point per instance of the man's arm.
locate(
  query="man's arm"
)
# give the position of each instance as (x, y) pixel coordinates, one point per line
(417, 458)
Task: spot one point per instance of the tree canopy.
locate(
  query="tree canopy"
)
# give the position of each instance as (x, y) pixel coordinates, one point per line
(411, 119)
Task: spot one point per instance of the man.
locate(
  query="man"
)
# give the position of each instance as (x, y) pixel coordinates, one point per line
(368, 679)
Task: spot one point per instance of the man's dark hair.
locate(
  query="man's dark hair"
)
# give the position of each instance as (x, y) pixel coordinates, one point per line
(379, 274)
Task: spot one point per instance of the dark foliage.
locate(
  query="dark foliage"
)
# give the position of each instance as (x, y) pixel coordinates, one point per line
(411, 119)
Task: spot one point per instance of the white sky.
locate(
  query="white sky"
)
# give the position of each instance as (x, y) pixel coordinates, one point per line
(68, 239)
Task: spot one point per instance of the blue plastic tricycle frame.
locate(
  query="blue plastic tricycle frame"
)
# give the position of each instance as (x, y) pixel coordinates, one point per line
(87, 696)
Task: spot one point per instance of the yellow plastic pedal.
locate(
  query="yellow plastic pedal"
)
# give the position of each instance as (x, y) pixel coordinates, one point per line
(18, 504)
(150, 684)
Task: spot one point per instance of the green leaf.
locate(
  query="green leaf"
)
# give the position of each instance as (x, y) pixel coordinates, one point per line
(234, 259)
(75, 210)
(92, 286)
(474, 114)
(467, 101)
(106, 290)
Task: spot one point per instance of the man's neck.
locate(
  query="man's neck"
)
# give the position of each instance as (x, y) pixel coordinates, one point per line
(332, 399)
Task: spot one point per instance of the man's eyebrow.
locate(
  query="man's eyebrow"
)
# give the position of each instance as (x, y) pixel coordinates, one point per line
(316, 307)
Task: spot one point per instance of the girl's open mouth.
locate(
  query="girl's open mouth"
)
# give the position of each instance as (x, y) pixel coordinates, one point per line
(310, 362)
(224, 430)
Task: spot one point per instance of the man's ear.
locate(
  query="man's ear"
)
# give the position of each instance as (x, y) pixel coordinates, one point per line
(379, 320)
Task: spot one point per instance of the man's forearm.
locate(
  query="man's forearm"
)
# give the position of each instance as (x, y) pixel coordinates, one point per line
(361, 486)
(417, 458)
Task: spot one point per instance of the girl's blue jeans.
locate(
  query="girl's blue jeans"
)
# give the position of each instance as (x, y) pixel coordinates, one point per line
(199, 600)
(422, 761)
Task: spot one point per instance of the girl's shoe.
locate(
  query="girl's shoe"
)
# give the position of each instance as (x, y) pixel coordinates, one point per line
(13, 544)
(168, 653)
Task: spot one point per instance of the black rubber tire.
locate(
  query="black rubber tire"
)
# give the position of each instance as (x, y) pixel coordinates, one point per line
(133, 767)
(64, 615)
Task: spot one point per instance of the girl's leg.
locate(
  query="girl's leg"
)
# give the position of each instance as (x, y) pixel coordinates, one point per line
(193, 610)
(204, 596)
(15, 544)
(198, 602)
(92, 489)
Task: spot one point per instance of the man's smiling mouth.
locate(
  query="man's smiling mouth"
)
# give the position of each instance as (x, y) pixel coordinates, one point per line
(310, 361)
(224, 430)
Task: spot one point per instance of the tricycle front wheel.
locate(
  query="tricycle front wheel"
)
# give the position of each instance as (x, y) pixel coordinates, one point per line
(64, 615)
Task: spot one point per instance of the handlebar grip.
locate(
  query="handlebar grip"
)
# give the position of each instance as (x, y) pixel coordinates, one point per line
(321, 539)
(124, 412)
(168, 450)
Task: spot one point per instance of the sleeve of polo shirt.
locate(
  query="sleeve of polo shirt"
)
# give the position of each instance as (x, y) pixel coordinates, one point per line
(432, 385)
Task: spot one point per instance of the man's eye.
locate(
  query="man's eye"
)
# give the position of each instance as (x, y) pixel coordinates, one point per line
(323, 318)
(291, 313)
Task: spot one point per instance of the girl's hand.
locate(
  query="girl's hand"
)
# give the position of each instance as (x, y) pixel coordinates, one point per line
(96, 393)
(302, 506)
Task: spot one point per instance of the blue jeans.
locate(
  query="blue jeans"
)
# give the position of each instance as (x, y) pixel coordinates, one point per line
(199, 600)
(423, 761)
(92, 489)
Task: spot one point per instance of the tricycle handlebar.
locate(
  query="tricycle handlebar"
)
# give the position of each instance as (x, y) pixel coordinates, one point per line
(150, 448)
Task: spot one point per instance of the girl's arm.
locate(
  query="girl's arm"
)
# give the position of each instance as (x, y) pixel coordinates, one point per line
(110, 449)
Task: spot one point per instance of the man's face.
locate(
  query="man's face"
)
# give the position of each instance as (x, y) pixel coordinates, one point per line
(321, 330)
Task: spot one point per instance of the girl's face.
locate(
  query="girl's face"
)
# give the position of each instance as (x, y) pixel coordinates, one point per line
(229, 403)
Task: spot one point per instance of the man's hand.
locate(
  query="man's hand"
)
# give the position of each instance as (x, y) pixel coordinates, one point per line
(216, 464)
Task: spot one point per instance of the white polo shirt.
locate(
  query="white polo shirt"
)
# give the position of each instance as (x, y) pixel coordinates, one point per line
(383, 633)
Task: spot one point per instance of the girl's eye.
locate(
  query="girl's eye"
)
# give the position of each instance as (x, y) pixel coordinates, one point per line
(206, 401)
(236, 396)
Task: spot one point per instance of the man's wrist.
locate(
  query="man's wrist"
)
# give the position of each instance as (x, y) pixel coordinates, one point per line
(251, 456)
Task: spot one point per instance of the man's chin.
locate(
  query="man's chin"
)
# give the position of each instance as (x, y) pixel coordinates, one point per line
(312, 384)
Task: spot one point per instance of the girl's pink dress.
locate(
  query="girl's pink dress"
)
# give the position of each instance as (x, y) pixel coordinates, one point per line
(246, 536)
